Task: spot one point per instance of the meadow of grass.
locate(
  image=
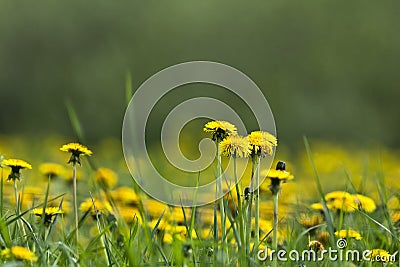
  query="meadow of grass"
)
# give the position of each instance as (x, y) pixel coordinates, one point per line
(335, 187)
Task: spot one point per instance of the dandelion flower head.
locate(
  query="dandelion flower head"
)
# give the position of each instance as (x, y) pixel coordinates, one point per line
(106, 177)
(235, 146)
(220, 129)
(20, 253)
(348, 234)
(262, 143)
(76, 151)
(16, 165)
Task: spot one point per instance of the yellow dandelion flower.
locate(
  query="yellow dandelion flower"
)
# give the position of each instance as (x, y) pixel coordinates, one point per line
(379, 255)
(338, 195)
(125, 196)
(279, 175)
(235, 146)
(348, 234)
(319, 206)
(52, 169)
(76, 151)
(393, 203)
(179, 232)
(156, 208)
(344, 204)
(50, 213)
(395, 216)
(168, 238)
(316, 245)
(364, 203)
(129, 214)
(161, 224)
(106, 177)
(220, 129)
(310, 221)
(262, 143)
(102, 207)
(19, 253)
(16, 165)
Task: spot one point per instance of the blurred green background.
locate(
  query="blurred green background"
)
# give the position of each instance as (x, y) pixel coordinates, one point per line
(329, 69)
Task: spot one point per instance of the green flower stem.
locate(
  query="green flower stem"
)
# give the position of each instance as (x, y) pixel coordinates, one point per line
(240, 207)
(275, 229)
(18, 208)
(239, 214)
(249, 208)
(221, 200)
(75, 205)
(257, 198)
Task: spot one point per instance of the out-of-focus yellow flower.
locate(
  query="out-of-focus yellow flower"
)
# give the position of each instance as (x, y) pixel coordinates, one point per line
(337, 195)
(265, 225)
(179, 232)
(67, 176)
(129, 214)
(220, 129)
(156, 208)
(125, 196)
(235, 146)
(76, 151)
(16, 165)
(52, 169)
(310, 221)
(106, 178)
(29, 195)
(393, 203)
(283, 176)
(161, 224)
(395, 216)
(378, 255)
(344, 204)
(364, 203)
(102, 207)
(262, 143)
(319, 207)
(50, 213)
(19, 253)
(348, 234)
(178, 217)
